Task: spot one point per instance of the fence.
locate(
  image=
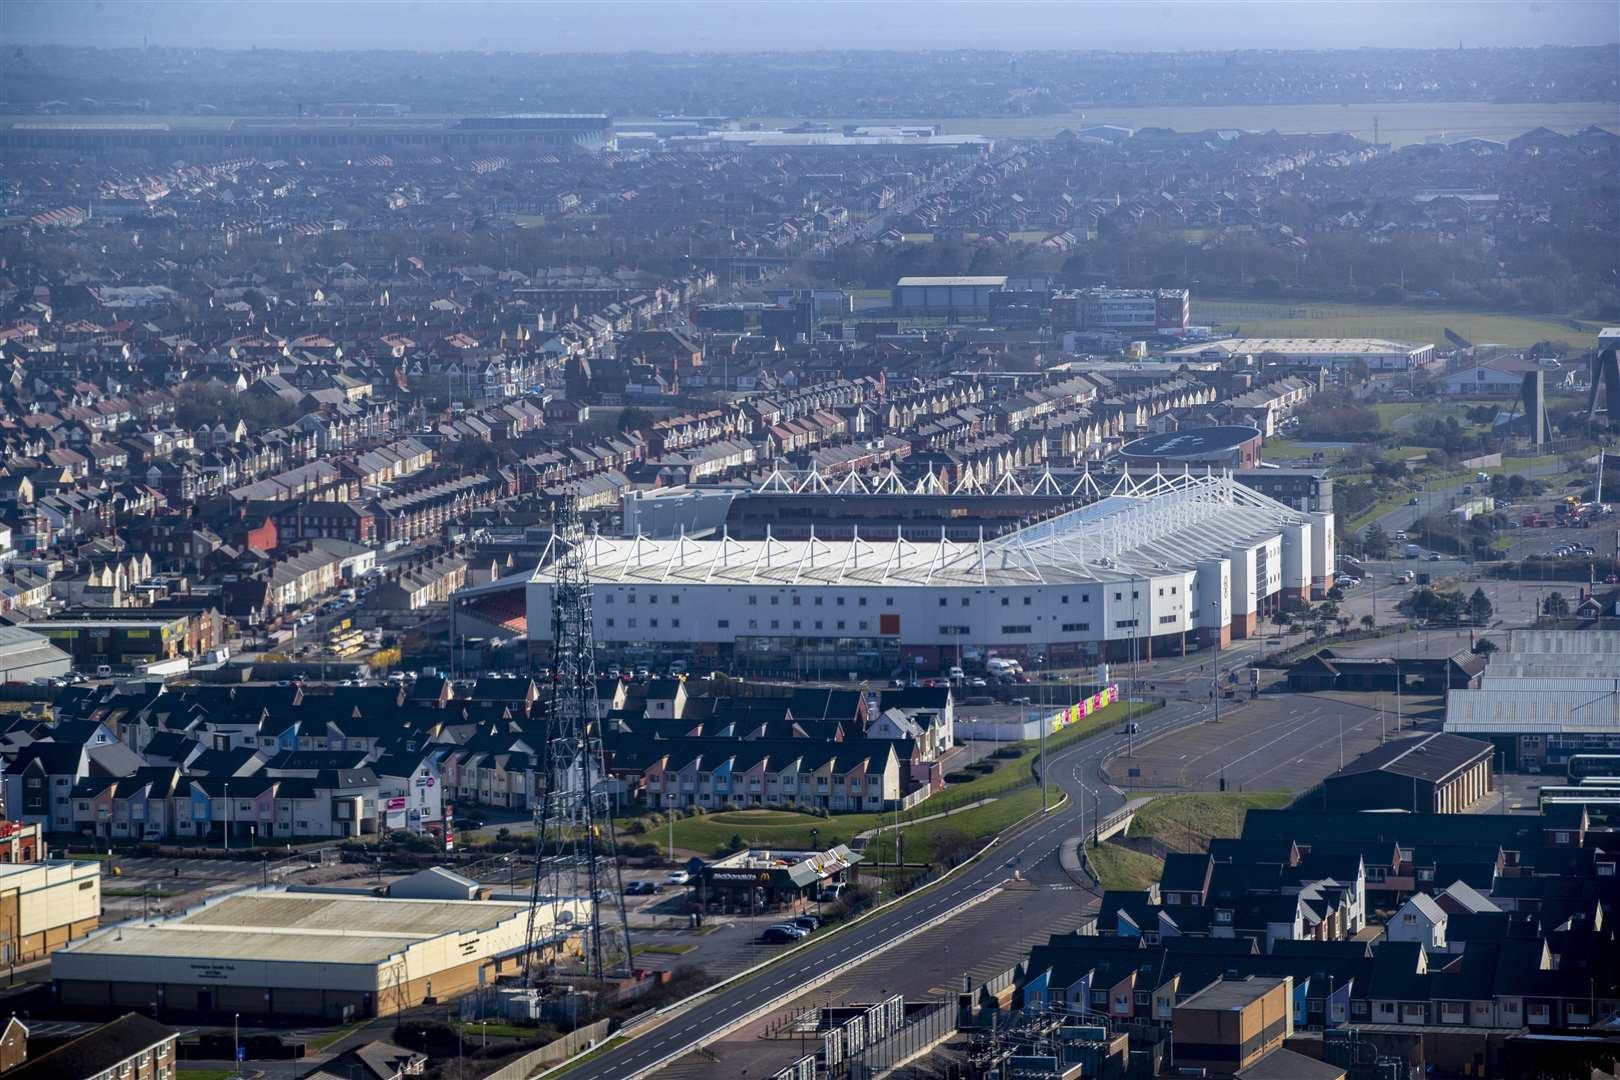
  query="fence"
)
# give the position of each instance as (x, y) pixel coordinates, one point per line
(922, 1032)
(575, 1042)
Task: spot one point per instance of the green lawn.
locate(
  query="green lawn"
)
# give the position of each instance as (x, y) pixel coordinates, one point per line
(321, 1042)
(510, 1031)
(1121, 868)
(1394, 322)
(1190, 822)
(1182, 823)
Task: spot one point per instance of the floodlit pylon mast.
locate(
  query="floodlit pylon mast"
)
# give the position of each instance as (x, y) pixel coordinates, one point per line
(576, 864)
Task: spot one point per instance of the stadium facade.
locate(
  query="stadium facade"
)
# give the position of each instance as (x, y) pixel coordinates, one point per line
(1160, 565)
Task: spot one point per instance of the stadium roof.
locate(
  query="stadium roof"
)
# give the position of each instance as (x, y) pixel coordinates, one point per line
(1161, 524)
(1191, 442)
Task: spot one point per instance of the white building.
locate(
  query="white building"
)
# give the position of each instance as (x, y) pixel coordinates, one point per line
(1161, 565)
(1376, 353)
(1422, 920)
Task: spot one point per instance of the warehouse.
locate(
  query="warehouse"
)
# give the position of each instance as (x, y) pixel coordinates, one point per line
(1547, 695)
(1155, 568)
(26, 656)
(1431, 774)
(1376, 354)
(945, 295)
(318, 955)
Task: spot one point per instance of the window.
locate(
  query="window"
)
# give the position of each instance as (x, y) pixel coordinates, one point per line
(776, 601)
(1163, 619)
(818, 624)
(840, 601)
(1005, 601)
(753, 601)
(942, 601)
(630, 598)
(776, 624)
(818, 601)
(1409, 919)
(724, 624)
(676, 623)
(1124, 624)
(862, 624)
(609, 598)
(753, 624)
(1561, 837)
(964, 601)
(674, 598)
(1119, 596)
(1142, 997)
(860, 602)
(840, 624)
(632, 624)
(653, 623)
(796, 599)
(1099, 997)
(797, 624)
(652, 598)
(1016, 628)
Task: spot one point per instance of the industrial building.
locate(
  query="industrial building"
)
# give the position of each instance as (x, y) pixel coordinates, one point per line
(1375, 353)
(26, 656)
(1233, 447)
(1431, 774)
(945, 295)
(1155, 568)
(1548, 694)
(44, 905)
(1231, 1024)
(334, 956)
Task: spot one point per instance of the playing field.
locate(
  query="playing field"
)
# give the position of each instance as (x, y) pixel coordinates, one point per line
(1281, 318)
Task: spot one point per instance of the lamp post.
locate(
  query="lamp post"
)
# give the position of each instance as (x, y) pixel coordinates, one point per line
(226, 827)
(1215, 687)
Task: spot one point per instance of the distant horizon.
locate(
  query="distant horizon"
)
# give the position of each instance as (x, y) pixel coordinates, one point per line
(722, 27)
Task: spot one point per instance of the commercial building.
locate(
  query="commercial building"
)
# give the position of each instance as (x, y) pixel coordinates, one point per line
(1547, 695)
(44, 905)
(1144, 311)
(288, 954)
(774, 880)
(945, 295)
(1375, 353)
(1208, 447)
(1231, 1024)
(1303, 489)
(1158, 567)
(1432, 774)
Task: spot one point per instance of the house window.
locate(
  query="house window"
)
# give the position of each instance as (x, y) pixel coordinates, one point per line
(1005, 601)
(818, 601)
(1142, 997)
(724, 624)
(753, 601)
(632, 624)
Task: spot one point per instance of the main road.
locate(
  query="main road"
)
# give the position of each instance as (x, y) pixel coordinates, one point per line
(1075, 769)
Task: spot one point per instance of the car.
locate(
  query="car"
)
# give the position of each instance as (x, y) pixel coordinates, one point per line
(1130, 729)
(641, 888)
(796, 931)
(469, 823)
(678, 877)
(1435, 556)
(778, 935)
(1413, 501)
(956, 674)
(977, 681)
(830, 892)
(807, 922)
(1402, 535)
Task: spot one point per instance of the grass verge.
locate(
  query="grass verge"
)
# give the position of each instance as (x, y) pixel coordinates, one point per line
(321, 1042)
(1181, 823)
(1121, 868)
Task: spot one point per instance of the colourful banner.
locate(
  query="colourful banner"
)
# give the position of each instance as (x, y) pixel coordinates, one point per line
(1082, 709)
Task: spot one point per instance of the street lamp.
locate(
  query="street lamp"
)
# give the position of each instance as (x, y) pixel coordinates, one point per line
(226, 827)
(1215, 687)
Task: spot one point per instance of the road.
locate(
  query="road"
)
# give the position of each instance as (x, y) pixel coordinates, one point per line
(1075, 770)
(1439, 499)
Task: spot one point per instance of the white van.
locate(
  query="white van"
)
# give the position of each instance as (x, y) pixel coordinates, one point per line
(103, 671)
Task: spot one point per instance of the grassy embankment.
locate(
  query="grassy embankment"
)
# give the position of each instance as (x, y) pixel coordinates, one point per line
(1181, 823)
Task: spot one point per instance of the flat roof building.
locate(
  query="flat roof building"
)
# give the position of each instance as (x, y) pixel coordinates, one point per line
(271, 953)
(945, 295)
(1376, 353)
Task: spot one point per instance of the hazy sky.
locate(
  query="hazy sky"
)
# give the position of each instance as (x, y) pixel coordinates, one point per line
(718, 25)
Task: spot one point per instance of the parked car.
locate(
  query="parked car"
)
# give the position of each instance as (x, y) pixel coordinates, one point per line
(807, 922)
(642, 888)
(1435, 556)
(778, 935)
(678, 877)
(796, 931)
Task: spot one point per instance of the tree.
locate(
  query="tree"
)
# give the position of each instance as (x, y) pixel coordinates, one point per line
(633, 418)
(1368, 622)
(1555, 605)
(1484, 647)
(1479, 606)
(1375, 541)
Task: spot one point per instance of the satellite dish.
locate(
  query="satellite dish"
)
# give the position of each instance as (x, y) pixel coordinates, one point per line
(565, 917)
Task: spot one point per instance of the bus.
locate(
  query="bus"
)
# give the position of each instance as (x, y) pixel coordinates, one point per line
(1582, 766)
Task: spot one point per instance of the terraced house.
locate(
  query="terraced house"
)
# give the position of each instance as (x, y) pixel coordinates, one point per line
(857, 775)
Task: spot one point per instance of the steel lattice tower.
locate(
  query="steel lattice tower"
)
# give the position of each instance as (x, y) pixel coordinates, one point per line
(575, 857)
